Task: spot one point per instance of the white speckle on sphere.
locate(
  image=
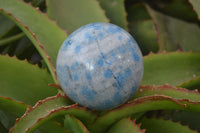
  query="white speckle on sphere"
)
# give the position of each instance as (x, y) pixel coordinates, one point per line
(100, 66)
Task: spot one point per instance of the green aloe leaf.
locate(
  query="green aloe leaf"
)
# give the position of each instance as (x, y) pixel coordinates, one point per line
(13, 110)
(164, 126)
(167, 90)
(74, 125)
(115, 11)
(195, 4)
(46, 40)
(142, 29)
(48, 109)
(125, 125)
(136, 106)
(189, 98)
(173, 68)
(24, 82)
(174, 33)
(72, 14)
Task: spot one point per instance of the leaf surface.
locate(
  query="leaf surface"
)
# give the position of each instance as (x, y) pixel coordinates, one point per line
(173, 68)
(24, 82)
(72, 14)
(45, 34)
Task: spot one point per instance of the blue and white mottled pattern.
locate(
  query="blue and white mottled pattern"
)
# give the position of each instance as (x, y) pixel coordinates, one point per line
(100, 66)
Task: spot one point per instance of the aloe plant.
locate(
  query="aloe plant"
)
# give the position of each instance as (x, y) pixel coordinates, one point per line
(32, 31)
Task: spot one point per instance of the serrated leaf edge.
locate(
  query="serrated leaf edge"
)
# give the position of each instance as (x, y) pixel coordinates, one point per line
(136, 102)
(30, 109)
(64, 108)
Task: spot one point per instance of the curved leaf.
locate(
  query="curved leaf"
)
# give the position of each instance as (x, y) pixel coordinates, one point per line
(45, 34)
(126, 125)
(164, 126)
(175, 34)
(115, 11)
(47, 109)
(74, 125)
(72, 14)
(16, 109)
(173, 68)
(167, 90)
(191, 99)
(132, 107)
(24, 82)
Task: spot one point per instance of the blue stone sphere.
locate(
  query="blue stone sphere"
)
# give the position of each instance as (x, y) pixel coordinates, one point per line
(100, 66)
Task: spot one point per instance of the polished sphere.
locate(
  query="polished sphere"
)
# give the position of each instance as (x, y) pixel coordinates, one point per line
(100, 66)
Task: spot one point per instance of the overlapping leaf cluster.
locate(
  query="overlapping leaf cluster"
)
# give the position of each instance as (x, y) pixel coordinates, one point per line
(167, 32)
